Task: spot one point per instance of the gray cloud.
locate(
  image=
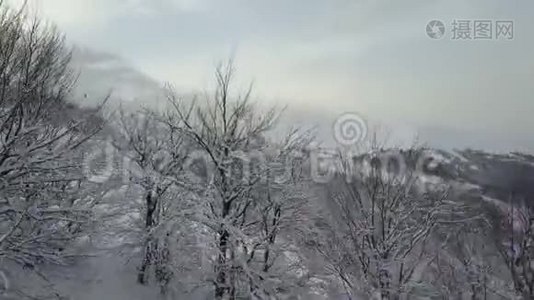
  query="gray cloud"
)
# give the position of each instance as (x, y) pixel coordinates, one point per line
(102, 73)
(335, 56)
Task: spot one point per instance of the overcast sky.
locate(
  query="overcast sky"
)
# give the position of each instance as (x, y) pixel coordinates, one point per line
(323, 58)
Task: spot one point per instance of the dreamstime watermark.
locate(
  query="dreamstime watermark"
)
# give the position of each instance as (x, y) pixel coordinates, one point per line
(391, 165)
(471, 29)
(269, 164)
(350, 129)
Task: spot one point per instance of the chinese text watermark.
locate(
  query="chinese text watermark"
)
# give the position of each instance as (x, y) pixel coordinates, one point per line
(470, 29)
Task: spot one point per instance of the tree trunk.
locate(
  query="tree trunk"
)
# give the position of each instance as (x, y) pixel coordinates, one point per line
(141, 275)
(221, 286)
(221, 283)
(150, 222)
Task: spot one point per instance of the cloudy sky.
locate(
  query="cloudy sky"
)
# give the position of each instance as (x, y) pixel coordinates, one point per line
(322, 58)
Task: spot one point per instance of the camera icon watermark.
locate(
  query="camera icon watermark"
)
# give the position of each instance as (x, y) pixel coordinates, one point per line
(435, 29)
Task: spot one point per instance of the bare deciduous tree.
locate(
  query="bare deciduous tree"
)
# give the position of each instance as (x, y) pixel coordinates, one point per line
(514, 238)
(270, 256)
(231, 133)
(155, 155)
(41, 204)
(379, 224)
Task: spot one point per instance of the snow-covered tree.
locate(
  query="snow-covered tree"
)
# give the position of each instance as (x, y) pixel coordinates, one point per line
(154, 155)
(380, 220)
(514, 238)
(42, 204)
(270, 260)
(242, 208)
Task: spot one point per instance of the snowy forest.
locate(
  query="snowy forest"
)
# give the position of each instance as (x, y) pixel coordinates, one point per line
(204, 198)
